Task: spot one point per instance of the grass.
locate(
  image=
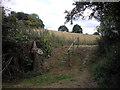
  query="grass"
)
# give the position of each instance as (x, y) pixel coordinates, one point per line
(67, 75)
(47, 79)
(67, 37)
(58, 38)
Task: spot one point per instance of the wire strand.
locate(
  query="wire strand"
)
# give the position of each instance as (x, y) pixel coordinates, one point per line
(6, 65)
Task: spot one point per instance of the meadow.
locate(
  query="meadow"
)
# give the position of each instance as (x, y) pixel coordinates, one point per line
(68, 37)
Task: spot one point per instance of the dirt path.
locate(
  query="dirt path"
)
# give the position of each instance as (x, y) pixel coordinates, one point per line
(84, 80)
(62, 76)
(79, 59)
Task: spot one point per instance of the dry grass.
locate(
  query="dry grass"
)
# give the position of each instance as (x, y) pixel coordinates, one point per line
(84, 38)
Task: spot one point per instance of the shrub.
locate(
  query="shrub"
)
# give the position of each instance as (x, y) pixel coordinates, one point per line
(106, 72)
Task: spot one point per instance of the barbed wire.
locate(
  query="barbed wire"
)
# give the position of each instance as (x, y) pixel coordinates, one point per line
(4, 54)
(9, 61)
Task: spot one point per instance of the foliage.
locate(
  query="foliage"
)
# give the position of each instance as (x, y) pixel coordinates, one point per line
(63, 28)
(31, 20)
(34, 73)
(106, 71)
(105, 12)
(17, 43)
(57, 41)
(95, 33)
(77, 29)
(47, 78)
(108, 15)
(45, 37)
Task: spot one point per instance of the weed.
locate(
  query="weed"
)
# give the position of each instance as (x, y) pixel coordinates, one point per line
(47, 78)
(35, 73)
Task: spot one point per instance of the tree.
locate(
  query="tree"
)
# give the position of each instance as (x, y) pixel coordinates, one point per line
(21, 15)
(107, 13)
(31, 20)
(35, 21)
(63, 28)
(77, 29)
(95, 33)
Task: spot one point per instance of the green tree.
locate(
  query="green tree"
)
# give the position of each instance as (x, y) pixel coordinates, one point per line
(31, 20)
(77, 29)
(63, 28)
(21, 15)
(35, 21)
(107, 13)
(95, 33)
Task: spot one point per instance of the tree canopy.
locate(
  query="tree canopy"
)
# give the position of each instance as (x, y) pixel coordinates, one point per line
(108, 14)
(77, 29)
(95, 33)
(31, 20)
(63, 28)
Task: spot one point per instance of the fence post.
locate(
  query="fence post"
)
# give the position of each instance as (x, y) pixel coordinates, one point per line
(68, 58)
(71, 48)
(37, 57)
(78, 42)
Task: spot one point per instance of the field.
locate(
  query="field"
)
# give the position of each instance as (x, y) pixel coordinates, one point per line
(59, 75)
(85, 39)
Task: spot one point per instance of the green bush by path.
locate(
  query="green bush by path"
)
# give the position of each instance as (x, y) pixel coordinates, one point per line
(106, 71)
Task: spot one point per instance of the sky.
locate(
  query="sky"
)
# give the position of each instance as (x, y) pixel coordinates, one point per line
(51, 12)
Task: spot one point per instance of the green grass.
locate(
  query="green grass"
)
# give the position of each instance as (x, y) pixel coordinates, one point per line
(47, 78)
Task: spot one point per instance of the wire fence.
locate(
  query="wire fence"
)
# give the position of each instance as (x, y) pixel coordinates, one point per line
(7, 63)
(4, 63)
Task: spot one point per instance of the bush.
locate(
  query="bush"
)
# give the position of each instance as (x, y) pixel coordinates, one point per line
(35, 73)
(106, 71)
(18, 47)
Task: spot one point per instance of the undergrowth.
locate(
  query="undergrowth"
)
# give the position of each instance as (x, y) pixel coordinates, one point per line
(106, 71)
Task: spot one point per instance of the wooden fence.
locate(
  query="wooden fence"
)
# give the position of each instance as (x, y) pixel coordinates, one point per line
(71, 50)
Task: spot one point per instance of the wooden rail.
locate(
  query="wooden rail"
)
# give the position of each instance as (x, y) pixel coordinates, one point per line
(71, 49)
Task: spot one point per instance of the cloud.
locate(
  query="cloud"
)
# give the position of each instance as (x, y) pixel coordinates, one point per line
(51, 12)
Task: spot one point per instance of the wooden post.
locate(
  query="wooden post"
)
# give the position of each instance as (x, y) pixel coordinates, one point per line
(78, 42)
(37, 57)
(68, 58)
(69, 62)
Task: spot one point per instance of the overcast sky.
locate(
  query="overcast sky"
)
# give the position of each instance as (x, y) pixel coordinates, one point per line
(51, 12)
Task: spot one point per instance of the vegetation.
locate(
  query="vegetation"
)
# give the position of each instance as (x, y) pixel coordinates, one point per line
(67, 38)
(19, 30)
(77, 29)
(17, 40)
(31, 20)
(63, 28)
(95, 33)
(106, 71)
(18, 37)
(47, 78)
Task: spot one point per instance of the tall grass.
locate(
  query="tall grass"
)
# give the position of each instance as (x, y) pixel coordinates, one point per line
(58, 38)
(70, 37)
